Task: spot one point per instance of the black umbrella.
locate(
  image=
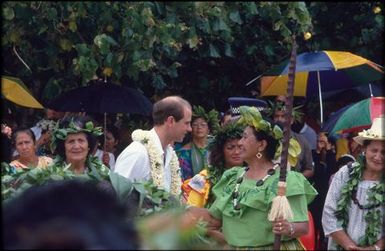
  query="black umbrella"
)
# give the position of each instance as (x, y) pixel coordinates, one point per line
(103, 97)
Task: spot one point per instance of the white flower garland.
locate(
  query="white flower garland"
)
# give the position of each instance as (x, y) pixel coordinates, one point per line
(156, 162)
(46, 124)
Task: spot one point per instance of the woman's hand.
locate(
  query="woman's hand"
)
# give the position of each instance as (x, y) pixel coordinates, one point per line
(291, 229)
(106, 159)
(283, 227)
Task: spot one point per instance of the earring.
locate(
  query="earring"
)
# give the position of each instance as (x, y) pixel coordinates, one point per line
(259, 155)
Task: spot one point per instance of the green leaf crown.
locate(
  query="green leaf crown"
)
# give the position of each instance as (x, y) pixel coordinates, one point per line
(72, 128)
(210, 117)
(250, 116)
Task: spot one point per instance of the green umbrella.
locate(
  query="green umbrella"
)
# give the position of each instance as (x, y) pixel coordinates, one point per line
(355, 117)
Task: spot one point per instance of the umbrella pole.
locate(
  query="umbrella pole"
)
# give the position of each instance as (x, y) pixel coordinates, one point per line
(370, 89)
(105, 132)
(320, 98)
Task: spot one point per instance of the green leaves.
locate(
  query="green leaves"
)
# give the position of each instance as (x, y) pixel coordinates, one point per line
(104, 42)
(8, 13)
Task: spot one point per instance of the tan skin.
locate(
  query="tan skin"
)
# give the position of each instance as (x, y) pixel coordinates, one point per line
(258, 169)
(26, 148)
(174, 131)
(280, 116)
(232, 153)
(374, 170)
(76, 151)
(199, 132)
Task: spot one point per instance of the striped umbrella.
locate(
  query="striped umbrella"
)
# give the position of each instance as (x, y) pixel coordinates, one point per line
(355, 117)
(322, 71)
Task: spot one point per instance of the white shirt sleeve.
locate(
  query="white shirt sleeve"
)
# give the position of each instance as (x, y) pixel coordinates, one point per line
(112, 161)
(329, 220)
(133, 163)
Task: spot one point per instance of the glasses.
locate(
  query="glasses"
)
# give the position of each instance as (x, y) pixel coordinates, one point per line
(201, 125)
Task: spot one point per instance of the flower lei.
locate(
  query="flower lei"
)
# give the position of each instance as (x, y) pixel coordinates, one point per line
(156, 162)
(375, 199)
(46, 124)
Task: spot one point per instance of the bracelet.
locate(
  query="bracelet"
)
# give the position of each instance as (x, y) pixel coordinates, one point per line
(377, 248)
(291, 230)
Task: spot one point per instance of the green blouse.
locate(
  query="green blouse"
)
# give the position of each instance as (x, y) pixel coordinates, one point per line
(249, 226)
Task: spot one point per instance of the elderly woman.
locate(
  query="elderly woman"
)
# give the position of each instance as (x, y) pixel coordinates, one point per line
(73, 140)
(25, 144)
(244, 194)
(353, 216)
(193, 156)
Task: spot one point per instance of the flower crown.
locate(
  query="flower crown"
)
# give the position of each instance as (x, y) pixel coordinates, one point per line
(250, 116)
(228, 132)
(211, 117)
(73, 127)
(280, 106)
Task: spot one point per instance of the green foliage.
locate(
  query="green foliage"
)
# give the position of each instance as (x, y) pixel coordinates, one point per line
(190, 48)
(375, 199)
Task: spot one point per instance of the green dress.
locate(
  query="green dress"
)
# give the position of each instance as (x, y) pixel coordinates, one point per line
(249, 226)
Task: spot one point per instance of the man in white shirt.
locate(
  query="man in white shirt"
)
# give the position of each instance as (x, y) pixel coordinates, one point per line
(151, 155)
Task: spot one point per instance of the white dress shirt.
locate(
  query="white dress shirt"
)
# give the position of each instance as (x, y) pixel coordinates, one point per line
(134, 163)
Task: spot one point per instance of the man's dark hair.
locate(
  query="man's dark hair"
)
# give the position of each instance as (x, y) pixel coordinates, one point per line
(169, 106)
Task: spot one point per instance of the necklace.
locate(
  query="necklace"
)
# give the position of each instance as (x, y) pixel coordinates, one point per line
(363, 207)
(157, 163)
(239, 180)
(375, 197)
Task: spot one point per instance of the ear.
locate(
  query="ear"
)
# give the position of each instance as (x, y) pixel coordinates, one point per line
(170, 121)
(262, 145)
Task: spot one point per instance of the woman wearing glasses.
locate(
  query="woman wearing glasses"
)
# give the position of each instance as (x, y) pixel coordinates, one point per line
(193, 156)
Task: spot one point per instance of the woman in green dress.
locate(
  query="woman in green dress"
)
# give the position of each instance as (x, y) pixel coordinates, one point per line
(239, 215)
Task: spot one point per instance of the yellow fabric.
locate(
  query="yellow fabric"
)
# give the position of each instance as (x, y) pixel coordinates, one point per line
(341, 59)
(44, 162)
(277, 85)
(342, 147)
(197, 198)
(12, 90)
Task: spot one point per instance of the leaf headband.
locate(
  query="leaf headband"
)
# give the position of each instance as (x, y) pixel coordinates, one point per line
(72, 128)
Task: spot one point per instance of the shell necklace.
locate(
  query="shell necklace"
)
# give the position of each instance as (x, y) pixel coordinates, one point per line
(260, 182)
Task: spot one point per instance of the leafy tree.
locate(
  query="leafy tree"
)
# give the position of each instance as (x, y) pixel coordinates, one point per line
(195, 49)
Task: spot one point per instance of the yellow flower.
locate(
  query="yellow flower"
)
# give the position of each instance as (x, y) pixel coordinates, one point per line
(376, 10)
(107, 71)
(307, 35)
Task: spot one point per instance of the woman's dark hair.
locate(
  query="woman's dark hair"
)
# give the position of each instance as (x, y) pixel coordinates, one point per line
(113, 130)
(272, 143)
(24, 130)
(79, 121)
(229, 132)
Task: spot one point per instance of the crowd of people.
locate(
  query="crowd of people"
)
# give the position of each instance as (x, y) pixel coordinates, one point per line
(223, 170)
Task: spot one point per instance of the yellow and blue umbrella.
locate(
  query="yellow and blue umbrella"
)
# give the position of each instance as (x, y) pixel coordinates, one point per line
(14, 90)
(321, 72)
